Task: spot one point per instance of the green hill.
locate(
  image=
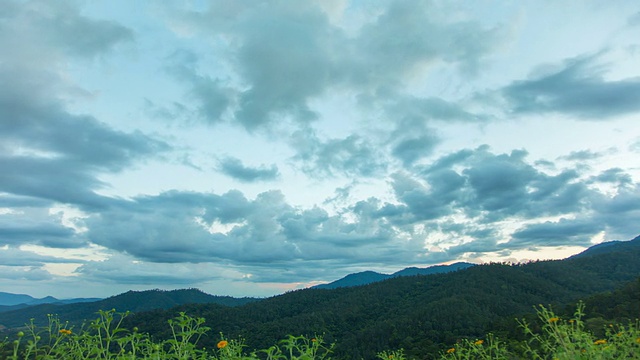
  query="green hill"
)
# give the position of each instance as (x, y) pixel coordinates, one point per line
(133, 301)
(421, 314)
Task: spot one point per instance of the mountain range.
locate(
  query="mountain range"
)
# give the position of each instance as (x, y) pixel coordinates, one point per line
(9, 299)
(422, 313)
(368, 277)
(133, 301)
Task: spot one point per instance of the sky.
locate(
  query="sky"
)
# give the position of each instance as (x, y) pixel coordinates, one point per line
(250, 148)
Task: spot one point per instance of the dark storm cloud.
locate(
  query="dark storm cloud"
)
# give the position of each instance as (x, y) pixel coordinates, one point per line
(234, 168)
(579, 88)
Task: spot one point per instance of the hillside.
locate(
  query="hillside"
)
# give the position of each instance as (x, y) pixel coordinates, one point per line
(369, 277)
(421, 314)
(133, 301)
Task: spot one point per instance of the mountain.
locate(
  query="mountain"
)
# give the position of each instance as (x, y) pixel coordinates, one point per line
(356, 279)
(610, 246)
(14, 299)
(132, 301)
(422, 314)
(368, 277)
(9, 300)
(437, 269)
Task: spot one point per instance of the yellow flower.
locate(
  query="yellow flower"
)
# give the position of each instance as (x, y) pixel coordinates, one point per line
(390, 356)
(571, 321)
(314, 340)
(65, 331)
(478, 342)
(451, 351)
(553, 319)
(638, 340)
(222, 344)
(600, 342)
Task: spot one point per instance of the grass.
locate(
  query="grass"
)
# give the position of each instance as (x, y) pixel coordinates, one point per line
(105, 338)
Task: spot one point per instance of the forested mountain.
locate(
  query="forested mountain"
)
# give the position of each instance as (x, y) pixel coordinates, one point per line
(421, 314)
(610, 246)
(368, 277)
(133, 301)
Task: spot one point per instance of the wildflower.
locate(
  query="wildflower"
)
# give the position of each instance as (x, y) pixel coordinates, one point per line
(638, 340)
(571, 321)
(222, 344)
(600, 342)
(553, 319)
(478, 342)
(619, 334)
(451, 351)
(390, 356)
(65, 331)
(314, 340)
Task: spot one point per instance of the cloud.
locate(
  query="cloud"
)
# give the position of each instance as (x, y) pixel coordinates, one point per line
(619, 212)
(30, 273)
(614, 175)
(180, 227)
(36, 226)
(582, 155)
(125, 269)
(634, 20)
(234, 168)
(555, 233)
(47, 151)
(350, 156)
(12, 257)
(60, 21)
(412, 149)
(288, 53)
(212, 95)
(577, 87)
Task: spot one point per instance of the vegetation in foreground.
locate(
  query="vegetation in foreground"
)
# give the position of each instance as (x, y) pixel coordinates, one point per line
(104, 338)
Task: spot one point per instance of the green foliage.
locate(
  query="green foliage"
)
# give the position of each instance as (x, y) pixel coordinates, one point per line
(551, 337)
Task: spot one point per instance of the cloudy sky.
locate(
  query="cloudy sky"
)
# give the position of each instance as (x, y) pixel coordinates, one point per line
(249, 148)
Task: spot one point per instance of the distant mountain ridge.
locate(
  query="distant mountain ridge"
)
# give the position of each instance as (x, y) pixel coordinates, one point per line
(133, 301)
(608, 247)
(422, 314)
(10, 299)
(369, 277)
